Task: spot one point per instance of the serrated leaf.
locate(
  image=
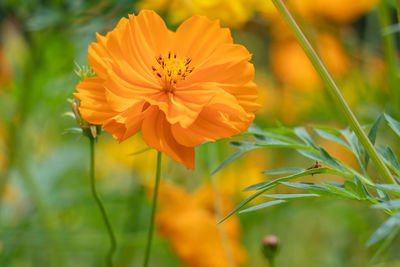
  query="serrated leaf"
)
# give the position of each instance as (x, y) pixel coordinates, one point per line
(263, 205)
(394, 124)
(233, 157)
(283, 171)
(333, 138)
(292, 196)
(389, 226)
(391, 204)
(372, 137)
(294, 176)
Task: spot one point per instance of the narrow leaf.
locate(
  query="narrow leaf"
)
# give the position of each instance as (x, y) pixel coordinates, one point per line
(303, 135)
(233, 157)
(389, 158)
(283, 171)
(390, 188)
(391, 204)
(388, 227)
(244, 202)
(394, 124)
(294, 176)
(333, 138)
(372, 137)
(328, 159)
(291, 196)
(263, 205)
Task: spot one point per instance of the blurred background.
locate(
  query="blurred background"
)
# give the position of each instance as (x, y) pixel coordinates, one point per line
(47, 214)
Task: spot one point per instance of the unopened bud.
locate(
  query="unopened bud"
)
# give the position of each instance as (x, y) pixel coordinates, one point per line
(88, 129)
(270, 247)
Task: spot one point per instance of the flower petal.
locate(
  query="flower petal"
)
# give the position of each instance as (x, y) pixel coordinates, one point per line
(197, 37)
(156, 132)
(93, 106)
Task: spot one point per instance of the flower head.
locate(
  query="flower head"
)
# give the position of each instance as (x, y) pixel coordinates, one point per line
(179, 88)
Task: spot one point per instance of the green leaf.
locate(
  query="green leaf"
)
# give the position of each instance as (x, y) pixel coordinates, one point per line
(372, 137)
(333, 138)
(74, 130)
(140, 151)
(391, 204)
(258, 133)
(310, 155)
(354, 145)
(294, 176)
(361, 189)
(283, 171)
(389, 226)
(389, 158)
(394, 124)
(354, 189)
(292, 196)
(244, 202)
(390, 188)
(328, 159)
(273, 143)
(263, 205)
(250, 146)
(313, 188)
(303, 135)
(341, 191)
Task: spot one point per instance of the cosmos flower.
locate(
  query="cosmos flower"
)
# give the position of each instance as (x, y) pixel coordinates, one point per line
(188, 222)
(179, 88)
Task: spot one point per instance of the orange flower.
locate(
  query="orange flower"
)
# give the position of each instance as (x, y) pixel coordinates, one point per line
(180, 88)
(188, 221)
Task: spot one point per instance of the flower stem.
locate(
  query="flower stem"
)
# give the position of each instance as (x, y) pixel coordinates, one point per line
(398, 10)
(153, 211)
(113, 242)
(389, 50)
(335, 92)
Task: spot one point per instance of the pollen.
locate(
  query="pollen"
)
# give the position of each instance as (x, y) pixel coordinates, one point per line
(171, 69)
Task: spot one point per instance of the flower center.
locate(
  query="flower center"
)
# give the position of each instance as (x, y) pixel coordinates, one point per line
(172, 69)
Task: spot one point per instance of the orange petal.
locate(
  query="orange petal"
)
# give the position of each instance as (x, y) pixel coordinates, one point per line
(210, 125)
(156, 132)
(93, 107)
(189, 43)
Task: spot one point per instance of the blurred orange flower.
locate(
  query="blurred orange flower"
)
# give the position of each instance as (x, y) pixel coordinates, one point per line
(188, 221)
(232, 13)
(293, 67)
(180, 88)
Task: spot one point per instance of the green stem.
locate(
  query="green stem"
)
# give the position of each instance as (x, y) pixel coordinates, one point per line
(398, 10)
(113, 241)
(335, 92)
(153, 211)
(389, 50)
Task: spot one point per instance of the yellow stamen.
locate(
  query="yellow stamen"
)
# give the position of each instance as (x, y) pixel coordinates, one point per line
(172, 69)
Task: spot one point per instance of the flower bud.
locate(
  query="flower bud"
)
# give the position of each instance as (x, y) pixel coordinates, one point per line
(88, 129)
(270, 247)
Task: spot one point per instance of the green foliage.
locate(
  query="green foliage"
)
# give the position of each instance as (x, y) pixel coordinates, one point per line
(356, 186)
